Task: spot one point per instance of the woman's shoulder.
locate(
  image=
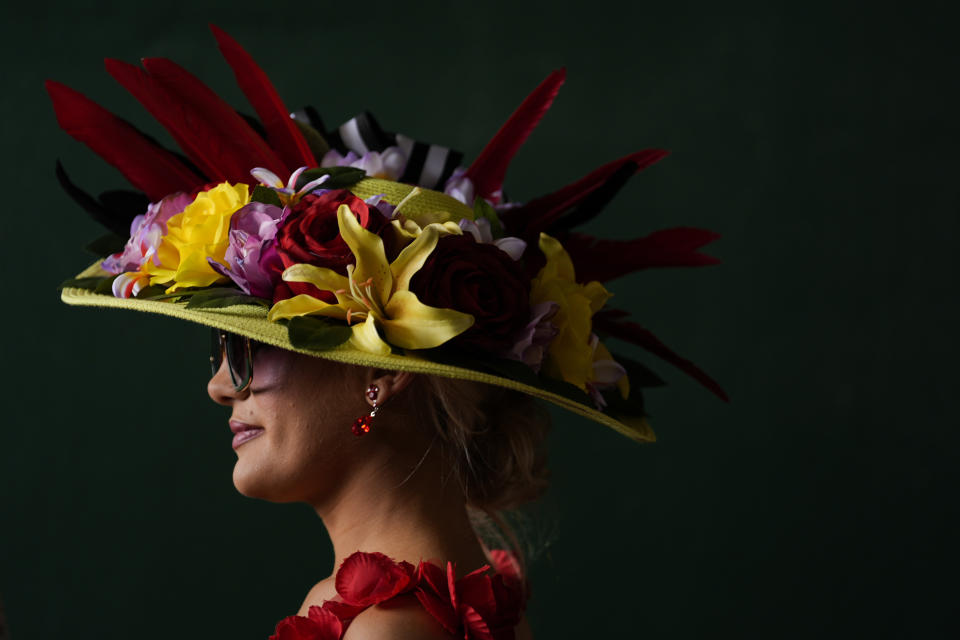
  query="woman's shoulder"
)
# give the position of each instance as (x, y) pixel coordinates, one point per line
(402, 617)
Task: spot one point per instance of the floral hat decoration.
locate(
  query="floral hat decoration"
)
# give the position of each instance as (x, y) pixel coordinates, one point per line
(368, 247)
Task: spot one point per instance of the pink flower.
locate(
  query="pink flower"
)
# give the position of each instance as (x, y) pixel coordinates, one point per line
(146, 230)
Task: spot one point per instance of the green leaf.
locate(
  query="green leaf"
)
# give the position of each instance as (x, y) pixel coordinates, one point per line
(182, 293)
(483, 209)
(105, 286)
(617, 406)
(152, 291)
(266, 195)
(317, 143)
(340, 177)
(107, 245)
(90, 283)
(317, 333)
(218, 298)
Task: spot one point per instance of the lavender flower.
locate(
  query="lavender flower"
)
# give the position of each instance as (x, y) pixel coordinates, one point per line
(388, 164)
(607, 373)
(481, 232)
(532, 344)
(252, 262)
(460, 187)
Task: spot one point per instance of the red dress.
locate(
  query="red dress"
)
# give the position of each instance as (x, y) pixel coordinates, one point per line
(478, 606)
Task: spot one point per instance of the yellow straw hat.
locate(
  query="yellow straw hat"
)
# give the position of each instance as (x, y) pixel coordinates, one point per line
(378, 251)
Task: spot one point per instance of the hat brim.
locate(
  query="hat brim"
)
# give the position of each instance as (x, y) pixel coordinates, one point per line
(251, 321)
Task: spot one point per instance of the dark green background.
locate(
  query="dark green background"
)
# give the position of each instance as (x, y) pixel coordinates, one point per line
(820, 139)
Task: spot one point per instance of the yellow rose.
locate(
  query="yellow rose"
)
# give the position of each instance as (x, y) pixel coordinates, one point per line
(199, 232)
(570, 355)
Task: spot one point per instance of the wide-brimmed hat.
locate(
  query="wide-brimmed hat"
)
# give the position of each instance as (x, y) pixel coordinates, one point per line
(368, 247)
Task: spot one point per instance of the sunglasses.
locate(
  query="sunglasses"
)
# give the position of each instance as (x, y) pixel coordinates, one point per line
(239, 352)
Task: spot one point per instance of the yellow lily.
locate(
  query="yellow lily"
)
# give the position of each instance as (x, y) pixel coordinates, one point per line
(569, 356)
(376, 292)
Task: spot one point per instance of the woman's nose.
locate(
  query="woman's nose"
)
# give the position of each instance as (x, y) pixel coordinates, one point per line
(220, 388)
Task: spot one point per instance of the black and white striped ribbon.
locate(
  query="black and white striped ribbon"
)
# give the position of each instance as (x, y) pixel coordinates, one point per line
(428, 165)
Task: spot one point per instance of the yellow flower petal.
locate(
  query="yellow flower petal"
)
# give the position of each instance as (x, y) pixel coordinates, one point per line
(321, 277)
(410, 324)
(303, 305)
(557, 258)
(414, 255)
(194, 271)
(366, 338)
(368, 250)
(597, 294)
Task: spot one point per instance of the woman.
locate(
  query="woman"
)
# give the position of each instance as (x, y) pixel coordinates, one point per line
(383, 320)
(404, 492)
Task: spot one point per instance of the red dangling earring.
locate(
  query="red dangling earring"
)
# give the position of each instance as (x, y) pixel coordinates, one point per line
(362, 424)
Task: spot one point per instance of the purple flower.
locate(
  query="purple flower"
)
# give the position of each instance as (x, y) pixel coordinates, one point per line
(536, 336)
(481, 232)
(607, 373)
(146, 231)
(388, 164)
(252, 261)
(459, 186)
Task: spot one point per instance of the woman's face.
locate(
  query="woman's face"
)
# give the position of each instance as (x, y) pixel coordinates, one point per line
(291, 427)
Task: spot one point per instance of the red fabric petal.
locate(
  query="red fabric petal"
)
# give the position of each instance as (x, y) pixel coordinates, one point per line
(302, 628)
(432, 576)
(369, 578)
(439, 609)
(452, 584)
(475, 592)
(506, 564)
(475, 627)
(342, 610)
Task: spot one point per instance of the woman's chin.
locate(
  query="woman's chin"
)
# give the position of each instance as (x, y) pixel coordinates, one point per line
(251, 480)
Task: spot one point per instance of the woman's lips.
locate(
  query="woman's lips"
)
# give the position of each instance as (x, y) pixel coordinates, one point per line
(242, 432)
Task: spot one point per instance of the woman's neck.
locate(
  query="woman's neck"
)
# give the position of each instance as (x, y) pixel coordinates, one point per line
(407, 516)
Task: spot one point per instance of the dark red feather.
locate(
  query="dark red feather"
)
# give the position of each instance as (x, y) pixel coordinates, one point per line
(253, 149)
(217, 150)
(613, 323)
(603, 260)
(148, 166)
(538, 214)
(282, 132)
(489, 169)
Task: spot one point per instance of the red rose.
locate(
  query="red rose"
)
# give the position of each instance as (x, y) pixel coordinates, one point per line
(310, 234)
(481, 280)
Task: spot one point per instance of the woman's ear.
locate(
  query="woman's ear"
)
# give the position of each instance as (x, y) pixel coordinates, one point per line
(388, 383)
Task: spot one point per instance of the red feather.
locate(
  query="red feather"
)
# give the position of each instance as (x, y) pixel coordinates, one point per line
(148, 166)
(537, 215)
(255, 151)
(216, 149)
(282, 132)
(613, 323)
(489, 169)
(603, 260)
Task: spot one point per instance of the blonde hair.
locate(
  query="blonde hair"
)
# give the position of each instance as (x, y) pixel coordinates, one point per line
(493, 439)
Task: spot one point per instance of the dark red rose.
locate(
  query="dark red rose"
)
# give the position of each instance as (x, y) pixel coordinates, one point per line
(310, 234)
(481, 280)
